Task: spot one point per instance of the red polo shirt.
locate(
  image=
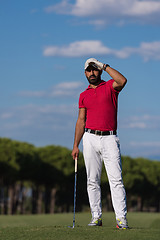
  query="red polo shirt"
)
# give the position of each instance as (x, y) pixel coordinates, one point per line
(101, 106)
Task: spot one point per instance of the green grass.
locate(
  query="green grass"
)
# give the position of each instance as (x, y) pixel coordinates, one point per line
(143, 226)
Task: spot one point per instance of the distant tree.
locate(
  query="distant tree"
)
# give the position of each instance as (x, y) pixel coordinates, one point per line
(151, 171)
(62, 184)
(48, 172)
(157, 185)
(133, 180)
(56, 167)
(141, 178)
(29, 172)
(8, 174)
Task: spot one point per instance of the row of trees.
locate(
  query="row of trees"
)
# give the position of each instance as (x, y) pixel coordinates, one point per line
(41, 180)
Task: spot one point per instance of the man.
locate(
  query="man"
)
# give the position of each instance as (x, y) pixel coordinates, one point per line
(97, 124)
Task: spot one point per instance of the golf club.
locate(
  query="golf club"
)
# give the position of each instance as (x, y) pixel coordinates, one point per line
(75, 184)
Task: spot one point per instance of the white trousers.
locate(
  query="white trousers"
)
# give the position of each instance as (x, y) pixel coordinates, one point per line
(95, 150)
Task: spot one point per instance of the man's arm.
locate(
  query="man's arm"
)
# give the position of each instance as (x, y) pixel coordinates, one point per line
(119, 80)
(79, 131)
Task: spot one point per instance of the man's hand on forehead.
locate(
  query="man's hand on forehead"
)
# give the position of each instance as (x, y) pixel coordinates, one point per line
(94, 62)
(98, 64)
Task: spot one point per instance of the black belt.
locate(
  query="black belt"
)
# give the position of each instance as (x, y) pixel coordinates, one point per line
(101, 133)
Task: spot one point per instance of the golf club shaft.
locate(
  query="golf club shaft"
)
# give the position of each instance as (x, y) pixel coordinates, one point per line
(75, 184)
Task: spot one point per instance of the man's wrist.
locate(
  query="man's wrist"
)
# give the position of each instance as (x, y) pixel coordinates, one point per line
(105, 66)
(75, 145)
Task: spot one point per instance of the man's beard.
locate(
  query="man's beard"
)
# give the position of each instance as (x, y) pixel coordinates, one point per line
(94, 80)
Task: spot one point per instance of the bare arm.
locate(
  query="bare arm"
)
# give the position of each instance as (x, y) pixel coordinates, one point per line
(119, 79)
(79, 131)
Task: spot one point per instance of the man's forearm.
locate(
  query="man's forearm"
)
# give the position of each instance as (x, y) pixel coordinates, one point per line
(79, 131)
(117, 76)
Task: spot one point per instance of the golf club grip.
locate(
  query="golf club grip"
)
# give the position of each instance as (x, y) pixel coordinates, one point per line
(75, 165)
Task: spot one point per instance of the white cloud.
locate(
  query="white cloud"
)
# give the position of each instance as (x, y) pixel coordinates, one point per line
(55, 124)
(145, 144)
(37, 116)
(143, 8)
(147, 149)
(112, 11)
(98, 22)
(77, 49)
(150, 50)
(32, 93)
(65, 89)
(147, 50)
(63, 7)
(35, 10)
(144, 122)
(40, 125)
(43, 124)
(140, 125)
(5, 115)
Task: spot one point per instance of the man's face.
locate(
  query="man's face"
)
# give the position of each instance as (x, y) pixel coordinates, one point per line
(93, 75)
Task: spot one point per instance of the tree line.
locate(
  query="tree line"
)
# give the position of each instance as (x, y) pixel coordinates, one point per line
(41, 180)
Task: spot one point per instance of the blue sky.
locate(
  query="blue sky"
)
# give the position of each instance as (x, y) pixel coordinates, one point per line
(43, 47)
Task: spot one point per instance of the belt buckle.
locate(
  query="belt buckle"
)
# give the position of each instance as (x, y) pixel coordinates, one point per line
(96, 132)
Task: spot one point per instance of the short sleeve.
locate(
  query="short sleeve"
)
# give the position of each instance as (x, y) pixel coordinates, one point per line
(81, 102)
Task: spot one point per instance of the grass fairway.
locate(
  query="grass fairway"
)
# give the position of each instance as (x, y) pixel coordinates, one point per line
(143, 226)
